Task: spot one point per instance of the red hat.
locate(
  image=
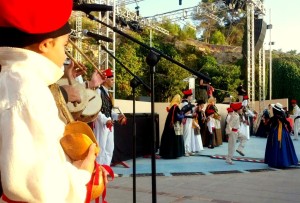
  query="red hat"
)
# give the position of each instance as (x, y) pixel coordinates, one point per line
(188, 92)
(229, 110)
(210, 111)
(245, 97)
(236, 106)
(33, 20)
(293, 101)
(108, 73)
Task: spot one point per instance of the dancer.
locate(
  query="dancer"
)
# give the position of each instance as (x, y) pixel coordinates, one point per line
(280, 152)
(234, 124)
(211, 104)
(211, 128)
(227, 127)
(192, 143)
(296, 117)
(172, 145)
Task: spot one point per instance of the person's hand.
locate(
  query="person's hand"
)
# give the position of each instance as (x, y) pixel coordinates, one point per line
(88, 163)
(122, 119)
(109, 125)
(105, 174)
(96, 79)
(72, 71)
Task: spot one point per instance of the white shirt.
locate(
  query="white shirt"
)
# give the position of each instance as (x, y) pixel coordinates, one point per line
(296, 111)
(211, 124)
(33, 165)
(234, 121)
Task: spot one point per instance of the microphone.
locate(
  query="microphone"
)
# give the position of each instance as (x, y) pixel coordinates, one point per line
(87, 8)
(96, 36)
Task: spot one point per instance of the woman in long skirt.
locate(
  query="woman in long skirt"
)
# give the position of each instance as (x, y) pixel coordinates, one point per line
(172, 145)
(280, 152)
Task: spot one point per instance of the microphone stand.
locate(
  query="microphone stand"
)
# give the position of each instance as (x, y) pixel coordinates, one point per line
(134, 83)
(152, 59)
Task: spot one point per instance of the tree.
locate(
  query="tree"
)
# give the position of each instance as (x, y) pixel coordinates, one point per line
(286, 77)
(225, 78)
(217, 38)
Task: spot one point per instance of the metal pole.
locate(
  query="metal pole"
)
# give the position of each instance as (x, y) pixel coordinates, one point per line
(270, 68)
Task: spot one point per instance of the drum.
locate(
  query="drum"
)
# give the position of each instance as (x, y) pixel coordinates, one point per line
(92, 108)
(76, 109)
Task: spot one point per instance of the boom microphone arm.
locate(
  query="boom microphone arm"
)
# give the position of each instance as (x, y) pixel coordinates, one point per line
(135, 76)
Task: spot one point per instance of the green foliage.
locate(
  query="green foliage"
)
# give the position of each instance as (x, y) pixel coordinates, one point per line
(217, 38)
(225, 78)
(173, 28)
(286, 77)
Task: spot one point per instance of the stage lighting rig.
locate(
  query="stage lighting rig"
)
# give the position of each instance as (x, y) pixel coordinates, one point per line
(87, 8)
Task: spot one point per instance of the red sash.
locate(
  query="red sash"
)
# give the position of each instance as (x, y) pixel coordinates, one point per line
(234, 130)
(4, 198)
(94, 180)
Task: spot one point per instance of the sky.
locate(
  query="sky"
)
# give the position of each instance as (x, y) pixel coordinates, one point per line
(284, 16)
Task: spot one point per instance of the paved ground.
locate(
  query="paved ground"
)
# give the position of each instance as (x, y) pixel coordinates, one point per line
(207, 178)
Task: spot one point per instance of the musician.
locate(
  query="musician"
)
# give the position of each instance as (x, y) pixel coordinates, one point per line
(104, 129)
(33, 165)
(71, 71)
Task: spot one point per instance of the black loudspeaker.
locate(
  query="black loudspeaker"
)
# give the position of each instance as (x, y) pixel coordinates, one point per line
(123, 137)
(260, 28)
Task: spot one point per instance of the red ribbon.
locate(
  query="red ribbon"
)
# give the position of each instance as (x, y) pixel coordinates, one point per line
(6, 199)
(95, 181)
(109, 126)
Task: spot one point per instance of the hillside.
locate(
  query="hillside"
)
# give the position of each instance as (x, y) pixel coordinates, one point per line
(223, 54)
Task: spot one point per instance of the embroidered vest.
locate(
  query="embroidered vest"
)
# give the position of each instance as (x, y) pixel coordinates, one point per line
(106, 103)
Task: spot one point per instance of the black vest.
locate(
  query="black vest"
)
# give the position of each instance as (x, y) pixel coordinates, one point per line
(106, 103)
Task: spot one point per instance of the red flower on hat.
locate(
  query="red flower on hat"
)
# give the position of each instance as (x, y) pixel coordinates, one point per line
(293, 101)
(188, 92)
(229, 110)
(108, 73)
(236, 106)
(210, 112)
(245, 97)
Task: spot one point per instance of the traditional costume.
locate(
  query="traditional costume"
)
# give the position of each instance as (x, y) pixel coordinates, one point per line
(296, 117)
(234, 124)
(227, 127)
(172, 145)
(105, 133)
(192, 143)
(211, 128)
(217, 118)
(280, 152)
(201, 117)
(34, 167)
